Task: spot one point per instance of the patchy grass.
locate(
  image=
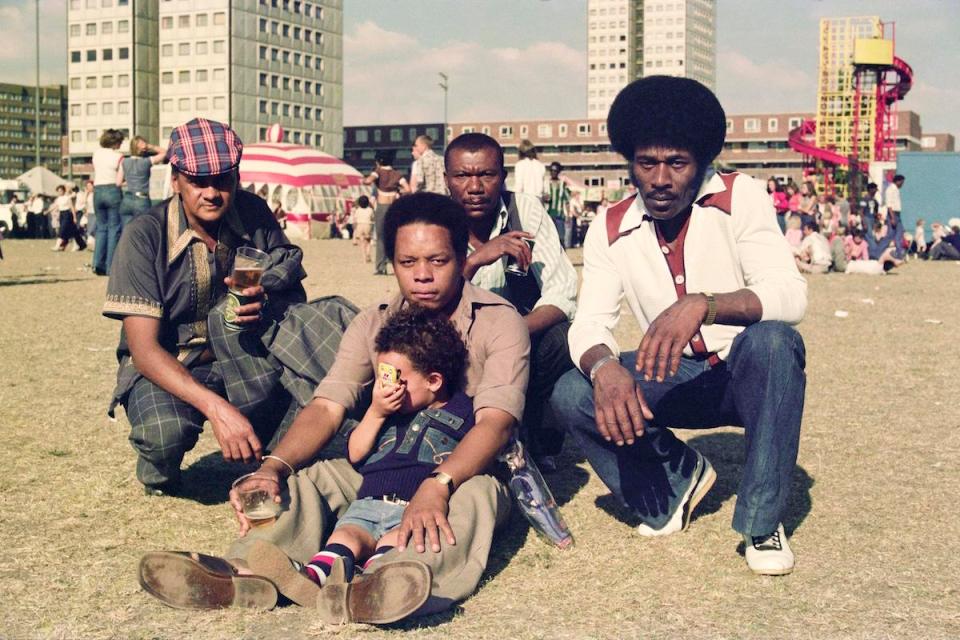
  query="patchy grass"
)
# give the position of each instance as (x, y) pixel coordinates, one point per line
(873, 523)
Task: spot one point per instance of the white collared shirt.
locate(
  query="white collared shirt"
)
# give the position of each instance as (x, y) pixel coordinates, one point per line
(723, 252)
(891, 197)
(551, 266)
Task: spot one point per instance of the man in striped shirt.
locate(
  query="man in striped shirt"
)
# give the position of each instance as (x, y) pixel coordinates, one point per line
(515, 252)
(557, 197)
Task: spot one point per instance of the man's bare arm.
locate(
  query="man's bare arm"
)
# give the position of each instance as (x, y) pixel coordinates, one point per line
(542, 318)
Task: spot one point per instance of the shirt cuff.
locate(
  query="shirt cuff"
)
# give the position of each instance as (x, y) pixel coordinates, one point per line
(582, 339)
(506, 398)
(117, 306)
(568, 307)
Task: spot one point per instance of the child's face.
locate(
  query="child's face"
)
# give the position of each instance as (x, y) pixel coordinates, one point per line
(421, 389)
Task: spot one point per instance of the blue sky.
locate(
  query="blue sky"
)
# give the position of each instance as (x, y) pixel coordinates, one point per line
(527, 58)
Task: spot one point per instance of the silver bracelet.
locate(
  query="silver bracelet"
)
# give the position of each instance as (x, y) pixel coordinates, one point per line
(282, 461)
(599, 363)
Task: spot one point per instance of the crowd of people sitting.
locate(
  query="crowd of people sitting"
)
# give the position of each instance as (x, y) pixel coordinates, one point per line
(862, 234)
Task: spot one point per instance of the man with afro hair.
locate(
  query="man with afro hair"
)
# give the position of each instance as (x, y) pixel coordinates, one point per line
(700, 260)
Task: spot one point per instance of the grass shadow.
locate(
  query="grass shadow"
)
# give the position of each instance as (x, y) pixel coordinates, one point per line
(19, 282)
(208, 479)
(725, 452)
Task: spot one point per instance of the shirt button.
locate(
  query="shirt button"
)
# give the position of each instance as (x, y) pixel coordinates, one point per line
(679, 279)
(665, 249)
(415, 428)
(695, 338)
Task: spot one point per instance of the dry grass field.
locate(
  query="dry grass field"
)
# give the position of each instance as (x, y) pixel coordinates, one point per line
(872, 516)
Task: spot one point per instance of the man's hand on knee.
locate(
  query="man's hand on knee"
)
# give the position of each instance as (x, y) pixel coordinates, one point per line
(425, 518)
(663, 343)
(619, 405)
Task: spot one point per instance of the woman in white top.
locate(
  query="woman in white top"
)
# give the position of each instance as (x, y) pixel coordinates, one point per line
(529, 172)
(363, 225)
(68, 221)
(107, 198)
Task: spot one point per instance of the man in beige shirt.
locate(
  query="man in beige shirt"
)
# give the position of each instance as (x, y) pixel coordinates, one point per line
(449, 523)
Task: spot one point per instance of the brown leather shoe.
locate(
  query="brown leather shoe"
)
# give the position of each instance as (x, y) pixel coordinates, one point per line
(391, 593)
(268, 560)
(187, 580)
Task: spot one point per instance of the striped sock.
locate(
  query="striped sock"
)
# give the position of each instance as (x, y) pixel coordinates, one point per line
(320, 565)
(376, 556)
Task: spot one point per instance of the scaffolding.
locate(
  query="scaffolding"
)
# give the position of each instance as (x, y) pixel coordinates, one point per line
(846, 112)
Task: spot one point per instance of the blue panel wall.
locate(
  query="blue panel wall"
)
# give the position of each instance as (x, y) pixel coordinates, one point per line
(932, 187)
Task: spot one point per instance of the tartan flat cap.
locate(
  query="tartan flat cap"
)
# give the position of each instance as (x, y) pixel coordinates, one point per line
(204, 147)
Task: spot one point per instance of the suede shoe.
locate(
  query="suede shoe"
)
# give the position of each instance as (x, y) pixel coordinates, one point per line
(390, 593)
(769, 555)
(268, 560)
(703, 478)
(187, 580)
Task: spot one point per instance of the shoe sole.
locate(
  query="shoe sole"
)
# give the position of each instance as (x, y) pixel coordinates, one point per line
(196, 581)
(704, 483)
(389, 594)
(267, 560)
(773, 572)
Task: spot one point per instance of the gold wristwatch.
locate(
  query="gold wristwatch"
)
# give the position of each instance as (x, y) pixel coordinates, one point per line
(711, 309)
(444, 479)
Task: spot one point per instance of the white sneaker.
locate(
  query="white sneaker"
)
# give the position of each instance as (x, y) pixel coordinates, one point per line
(703, 478)
(769, 555)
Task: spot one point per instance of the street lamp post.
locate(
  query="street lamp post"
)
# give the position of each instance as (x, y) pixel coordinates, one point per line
(445, 85)
(36, 102)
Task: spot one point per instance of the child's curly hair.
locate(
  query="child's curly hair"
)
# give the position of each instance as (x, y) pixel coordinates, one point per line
(429, 340)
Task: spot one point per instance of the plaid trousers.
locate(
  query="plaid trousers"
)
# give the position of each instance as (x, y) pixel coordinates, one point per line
(268, 374)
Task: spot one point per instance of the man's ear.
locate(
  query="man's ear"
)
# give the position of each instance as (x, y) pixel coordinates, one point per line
(174, 185)
(434, 381)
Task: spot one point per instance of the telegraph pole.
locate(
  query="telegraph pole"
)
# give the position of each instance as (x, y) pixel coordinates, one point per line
(36, 101)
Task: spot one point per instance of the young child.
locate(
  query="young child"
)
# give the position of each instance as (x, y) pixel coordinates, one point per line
(415, 420)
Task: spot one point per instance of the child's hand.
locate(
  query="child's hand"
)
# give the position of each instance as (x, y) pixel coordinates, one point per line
(387, 400)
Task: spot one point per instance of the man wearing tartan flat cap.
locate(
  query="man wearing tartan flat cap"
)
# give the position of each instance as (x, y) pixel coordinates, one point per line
(171, 270)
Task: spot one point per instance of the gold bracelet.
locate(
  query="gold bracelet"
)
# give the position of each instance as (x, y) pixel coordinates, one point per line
(711, 309)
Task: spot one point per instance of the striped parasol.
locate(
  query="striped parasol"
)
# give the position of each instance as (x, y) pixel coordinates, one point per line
(307, 183)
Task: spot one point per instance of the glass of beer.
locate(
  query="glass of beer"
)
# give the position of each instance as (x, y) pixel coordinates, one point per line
(257, 505)
(248, 266)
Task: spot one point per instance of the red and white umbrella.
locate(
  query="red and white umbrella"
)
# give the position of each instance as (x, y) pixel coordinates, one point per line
(308, 184)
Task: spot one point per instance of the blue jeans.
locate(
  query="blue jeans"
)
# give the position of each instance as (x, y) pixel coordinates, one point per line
(106, 200)
(561, 231)
(130, 207)
(760, 387)
(376, 517)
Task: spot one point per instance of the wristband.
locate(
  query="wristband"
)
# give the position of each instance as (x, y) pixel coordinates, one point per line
(711, 309)
(599, 363)
(283, 462)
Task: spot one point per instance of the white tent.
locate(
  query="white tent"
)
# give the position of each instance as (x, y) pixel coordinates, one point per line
(43, 181)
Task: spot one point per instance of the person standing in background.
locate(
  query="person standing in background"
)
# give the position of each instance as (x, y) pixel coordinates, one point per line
(557, 198)
(107, 199)
(529, 173)
(426, 174)
(390, 183)
(135, 170)
(68, 229)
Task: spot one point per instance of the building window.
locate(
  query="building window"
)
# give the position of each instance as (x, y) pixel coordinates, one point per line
(202, 75)
(360, 136)
(123, 26)
(583, 129)
(123, 107)
(285, 32)
(296, 137)
(729, 125)
(263, 79)
(220, 18)
(166, 105)
(274, 108)
(201, 20)
(183, 104)
(91, 82)
(74, 110)
(91, 55)
(544, 131)
(123, 80)
(202, 104)
(166, 77)
(274, 82)
(318, 89)
(74, 31)
(165, 132)
(307, 113)
(263, 53)
(376, 135)
(166, 51)
(123, 53)
(263, 106)
(219, 46)
(183, 49)
(286, 111)
(751, 125)
(92, 109)
(74, 56)
(201, 48)
(91, 135)
(286, 57)
(106, 82)
(74, 136)
(74, 83)
(106, 28)
(524, 131)
(91, 29)
(166, 22)
(219, 75)
(296, 111)
(184, 21)
(506, 131)
(795, 122)
(263, 25)
(772, 124)
(106, 108)
(183, 77)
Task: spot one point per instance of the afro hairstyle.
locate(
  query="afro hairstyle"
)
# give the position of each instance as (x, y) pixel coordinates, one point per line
(673, 112)
(428, 340)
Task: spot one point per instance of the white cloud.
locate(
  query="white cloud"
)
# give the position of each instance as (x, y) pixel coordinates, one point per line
(392, 78)
(770, 85)
(17, 33)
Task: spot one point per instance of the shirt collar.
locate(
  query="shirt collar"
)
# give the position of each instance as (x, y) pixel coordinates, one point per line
(716, 191)
(180, 235)
(471, 297)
